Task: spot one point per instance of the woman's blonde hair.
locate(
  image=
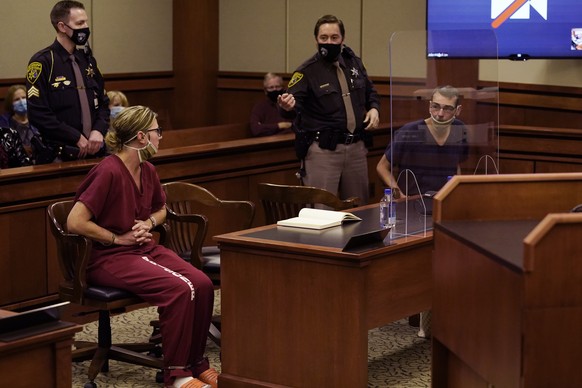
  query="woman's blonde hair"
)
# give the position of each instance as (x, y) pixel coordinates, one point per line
(128, 123)
(122, 98)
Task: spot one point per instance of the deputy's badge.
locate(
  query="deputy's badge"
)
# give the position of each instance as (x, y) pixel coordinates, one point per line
(33, 92)
(297, 76)
(33, 72)
(56, 84)
(90, 71)
(355, 72)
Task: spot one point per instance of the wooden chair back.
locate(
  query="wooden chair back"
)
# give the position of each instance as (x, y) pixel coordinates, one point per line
(73, 252)
(285, 201)
(196, 215)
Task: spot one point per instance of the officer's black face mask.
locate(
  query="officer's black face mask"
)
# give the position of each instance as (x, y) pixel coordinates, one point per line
(329, 51)
(273, 94)
(80, 35)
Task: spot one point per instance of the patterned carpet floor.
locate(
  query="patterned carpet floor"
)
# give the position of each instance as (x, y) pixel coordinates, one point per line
(397, 357)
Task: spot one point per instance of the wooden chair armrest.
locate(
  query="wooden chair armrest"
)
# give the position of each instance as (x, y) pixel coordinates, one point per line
(163, 231)
(354, 201)
(201, 221)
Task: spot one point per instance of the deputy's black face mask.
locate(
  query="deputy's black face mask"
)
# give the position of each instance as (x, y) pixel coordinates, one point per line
(80, 35)
(329, 51)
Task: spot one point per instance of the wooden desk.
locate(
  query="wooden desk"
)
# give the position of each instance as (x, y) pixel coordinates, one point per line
(507, 301)
(39, 360)
(297, 313)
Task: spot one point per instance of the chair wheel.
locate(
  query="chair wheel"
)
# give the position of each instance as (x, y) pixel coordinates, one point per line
(90, 384)
(159, 377)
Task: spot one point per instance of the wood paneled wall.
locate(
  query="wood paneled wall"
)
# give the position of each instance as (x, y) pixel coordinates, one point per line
(196, 94)
(519, 104)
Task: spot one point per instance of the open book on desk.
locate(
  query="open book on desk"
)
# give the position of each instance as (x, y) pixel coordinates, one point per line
(318, 219)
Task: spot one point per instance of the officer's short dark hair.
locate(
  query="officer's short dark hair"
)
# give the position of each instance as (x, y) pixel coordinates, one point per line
(331, 20)
(62, 10)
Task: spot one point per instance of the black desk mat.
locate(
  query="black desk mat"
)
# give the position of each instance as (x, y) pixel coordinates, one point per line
(339, 236)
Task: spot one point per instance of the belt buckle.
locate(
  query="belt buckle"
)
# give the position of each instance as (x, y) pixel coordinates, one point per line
(349, 139)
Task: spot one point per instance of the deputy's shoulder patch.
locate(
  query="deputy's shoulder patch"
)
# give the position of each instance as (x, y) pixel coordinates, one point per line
(297, 76)
(33, 71)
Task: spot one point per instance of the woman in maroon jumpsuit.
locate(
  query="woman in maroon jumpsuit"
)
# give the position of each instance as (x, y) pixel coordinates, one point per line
(117, 204)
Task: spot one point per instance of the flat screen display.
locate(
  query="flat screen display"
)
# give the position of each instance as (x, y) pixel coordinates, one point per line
(514, 29)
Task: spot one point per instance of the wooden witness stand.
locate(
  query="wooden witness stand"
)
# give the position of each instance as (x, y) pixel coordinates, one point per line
(507, 301)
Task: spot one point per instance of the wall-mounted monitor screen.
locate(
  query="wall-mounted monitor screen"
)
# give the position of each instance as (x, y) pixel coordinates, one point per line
(514, 29)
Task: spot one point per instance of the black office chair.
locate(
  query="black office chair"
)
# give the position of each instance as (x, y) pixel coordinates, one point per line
(73, 253)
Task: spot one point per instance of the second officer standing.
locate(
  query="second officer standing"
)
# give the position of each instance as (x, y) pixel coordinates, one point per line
(335, 103)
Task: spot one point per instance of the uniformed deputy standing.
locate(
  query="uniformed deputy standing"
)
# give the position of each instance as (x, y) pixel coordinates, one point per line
(335, 103)
(56, 96)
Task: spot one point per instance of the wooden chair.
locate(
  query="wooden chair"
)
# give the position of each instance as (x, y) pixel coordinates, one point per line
(195, 215)
(284, 201)
(73, 253)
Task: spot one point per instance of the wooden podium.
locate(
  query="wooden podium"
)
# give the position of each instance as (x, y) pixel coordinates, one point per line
(507, 273)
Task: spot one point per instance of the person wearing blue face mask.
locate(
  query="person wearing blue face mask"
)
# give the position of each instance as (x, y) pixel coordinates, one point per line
(65, 89)
(117, 102)
(16, 118)
(15, 130)
(16, 115)
(265, 117)
(335, 104)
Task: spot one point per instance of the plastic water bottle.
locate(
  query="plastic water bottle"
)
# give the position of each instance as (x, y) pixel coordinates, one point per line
(387, 210)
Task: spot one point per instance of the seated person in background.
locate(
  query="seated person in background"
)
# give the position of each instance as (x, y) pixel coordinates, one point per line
(265, 117)
(432, 148)
(14, 152)
(117, 102)
(125, 256)
(16, 117)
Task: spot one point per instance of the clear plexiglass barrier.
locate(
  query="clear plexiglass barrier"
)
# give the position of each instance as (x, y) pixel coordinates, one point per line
(444, 120)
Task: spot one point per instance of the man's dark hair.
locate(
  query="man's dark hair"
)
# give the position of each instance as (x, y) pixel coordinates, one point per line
(448, 91)
(62, 10)
(331, 20)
